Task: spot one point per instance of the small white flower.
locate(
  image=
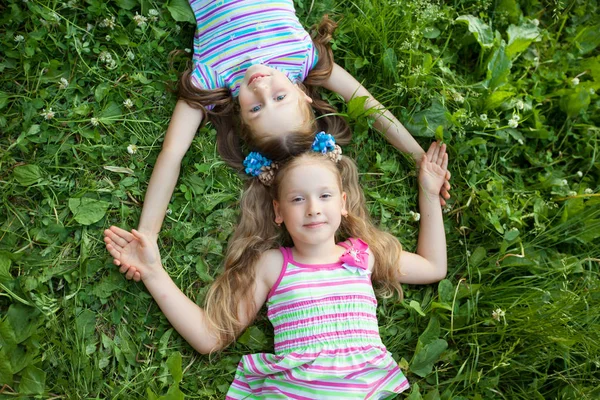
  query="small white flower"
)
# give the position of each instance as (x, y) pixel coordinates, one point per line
(592, 91)
(107, 38)
(49, 114)
(564, 182)
(415, 216)
(579, 174)
(483, 117)
(513, 123)
(19, 38)
(132, 149)
(468, 253)
(130, 55)
(140, 20)
(169, 211)
(153, 13)
(95, 121)
(498, 313)
(187, 50)
(105, 57)
(520, 141)
(572, 193)
(575, 81)
(535, 22)
(128, 103)
(588, 191)
(520, 105)
(89, 27)
(458, 97)
(63, 83)
(516, 117)
(108, 23)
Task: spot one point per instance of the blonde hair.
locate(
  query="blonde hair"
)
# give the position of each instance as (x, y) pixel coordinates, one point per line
(224, 112)
(257, 233)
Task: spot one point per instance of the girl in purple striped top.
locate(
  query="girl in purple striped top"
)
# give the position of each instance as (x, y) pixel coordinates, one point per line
(318, 290)
(255, 75)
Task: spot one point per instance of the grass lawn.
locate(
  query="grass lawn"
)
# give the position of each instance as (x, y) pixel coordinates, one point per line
(511, 87)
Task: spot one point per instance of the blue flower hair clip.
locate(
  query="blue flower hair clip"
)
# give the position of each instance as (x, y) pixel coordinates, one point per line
(260, 166)
(325, 143)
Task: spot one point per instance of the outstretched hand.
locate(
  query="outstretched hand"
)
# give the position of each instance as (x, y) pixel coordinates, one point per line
(137, 255)
(433, 171)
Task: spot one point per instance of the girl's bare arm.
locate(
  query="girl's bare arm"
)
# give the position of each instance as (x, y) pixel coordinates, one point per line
(182, 129)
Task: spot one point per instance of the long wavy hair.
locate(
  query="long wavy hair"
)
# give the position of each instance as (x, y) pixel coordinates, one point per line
(225, 114)
(257, 233)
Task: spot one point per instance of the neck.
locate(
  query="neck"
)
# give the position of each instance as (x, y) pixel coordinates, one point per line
(315, 253)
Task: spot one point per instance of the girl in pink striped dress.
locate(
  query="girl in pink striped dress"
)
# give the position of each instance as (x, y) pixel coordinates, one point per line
(317, 288)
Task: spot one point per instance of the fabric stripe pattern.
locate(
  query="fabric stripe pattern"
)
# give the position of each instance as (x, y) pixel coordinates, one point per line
(232, 35)
(327, 343)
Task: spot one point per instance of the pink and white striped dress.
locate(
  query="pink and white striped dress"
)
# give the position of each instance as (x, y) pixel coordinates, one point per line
(327, 343)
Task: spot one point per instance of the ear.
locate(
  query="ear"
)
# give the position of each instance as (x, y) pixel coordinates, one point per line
(303, 95)
(278, 217)
(344, 210)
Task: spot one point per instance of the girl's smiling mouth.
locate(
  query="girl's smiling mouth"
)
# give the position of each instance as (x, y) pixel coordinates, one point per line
(256, 76)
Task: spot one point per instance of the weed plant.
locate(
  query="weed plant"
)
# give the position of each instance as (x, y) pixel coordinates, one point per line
(511, 87)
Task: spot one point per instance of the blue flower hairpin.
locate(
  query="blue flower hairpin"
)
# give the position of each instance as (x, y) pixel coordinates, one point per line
(254, 163)
(323, 143)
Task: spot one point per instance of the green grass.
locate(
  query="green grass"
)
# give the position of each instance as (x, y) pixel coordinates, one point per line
(522, 227)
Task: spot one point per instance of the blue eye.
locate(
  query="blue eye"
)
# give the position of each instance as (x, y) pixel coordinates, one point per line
(280, 97)
(255, 109)
(296, 199)
(326, 195)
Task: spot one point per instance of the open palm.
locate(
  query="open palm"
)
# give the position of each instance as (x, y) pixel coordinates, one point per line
(135, 254)
(434, 168)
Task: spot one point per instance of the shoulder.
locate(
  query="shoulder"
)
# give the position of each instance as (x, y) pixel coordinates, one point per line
(269, 266)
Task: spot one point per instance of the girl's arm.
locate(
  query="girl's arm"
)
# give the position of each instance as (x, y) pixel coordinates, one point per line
(139, 259)
(182, 128)
(429, 264)
(341, 82)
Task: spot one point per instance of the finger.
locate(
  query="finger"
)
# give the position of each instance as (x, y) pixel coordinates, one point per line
(447, 185)
(445, 194)
(130, 273)
(114, 245)
(137, 277)
(113, 252)
(116, 262)
(121, 233)
(444, 162)
(442, 201)
(124, 268)
(440, 155)
(448, 175)
(115, 237)
(431, 150)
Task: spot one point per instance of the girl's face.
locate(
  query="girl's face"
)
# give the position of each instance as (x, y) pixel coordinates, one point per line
(311, 203)
(271, 105)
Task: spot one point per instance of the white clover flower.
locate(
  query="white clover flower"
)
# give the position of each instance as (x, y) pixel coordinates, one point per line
(107, 38)
(95, 121)
(458, 97)
(169, 211)
(498, 313)
(132, 149)
(535, 22)
(575, 81)
(513, 123)
(572, 193)
(130, 55)
(564, 182)
(483, 117)
(105, 57)
(49, 114)
(19, 38)
(140, 20)
(128, 103)
(108, 23)
(579, 174)
(588, 191)
(415, 216)
(516, 117)
(520, 105)
(153, 13)
(63, 83)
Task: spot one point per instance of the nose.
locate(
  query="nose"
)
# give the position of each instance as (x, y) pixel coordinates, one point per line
(313, 208)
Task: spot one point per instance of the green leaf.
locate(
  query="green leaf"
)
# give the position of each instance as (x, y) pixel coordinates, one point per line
(587, 39)
(126, 4)
(423, 360)
(417, 307)
(498, 68)
(174, 393)
(174, 365)
(181, 11)
(496, 99)
(520, 37)
(5, 263)
(390, 62)
(27, 175)
(33, 381)
(445, 290)
(511, 235)
(164, 342)
(356, 107)
(101, 91)
(477, 256)
(85, 323)
(577, 100)
(482, 32)
(430, 334)
(23, 320)
(431, 32)
(415, 392)
(426, 122)
(110, 113)
(88, 211)
(6, 373)
(254, 338)
(3, 99)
